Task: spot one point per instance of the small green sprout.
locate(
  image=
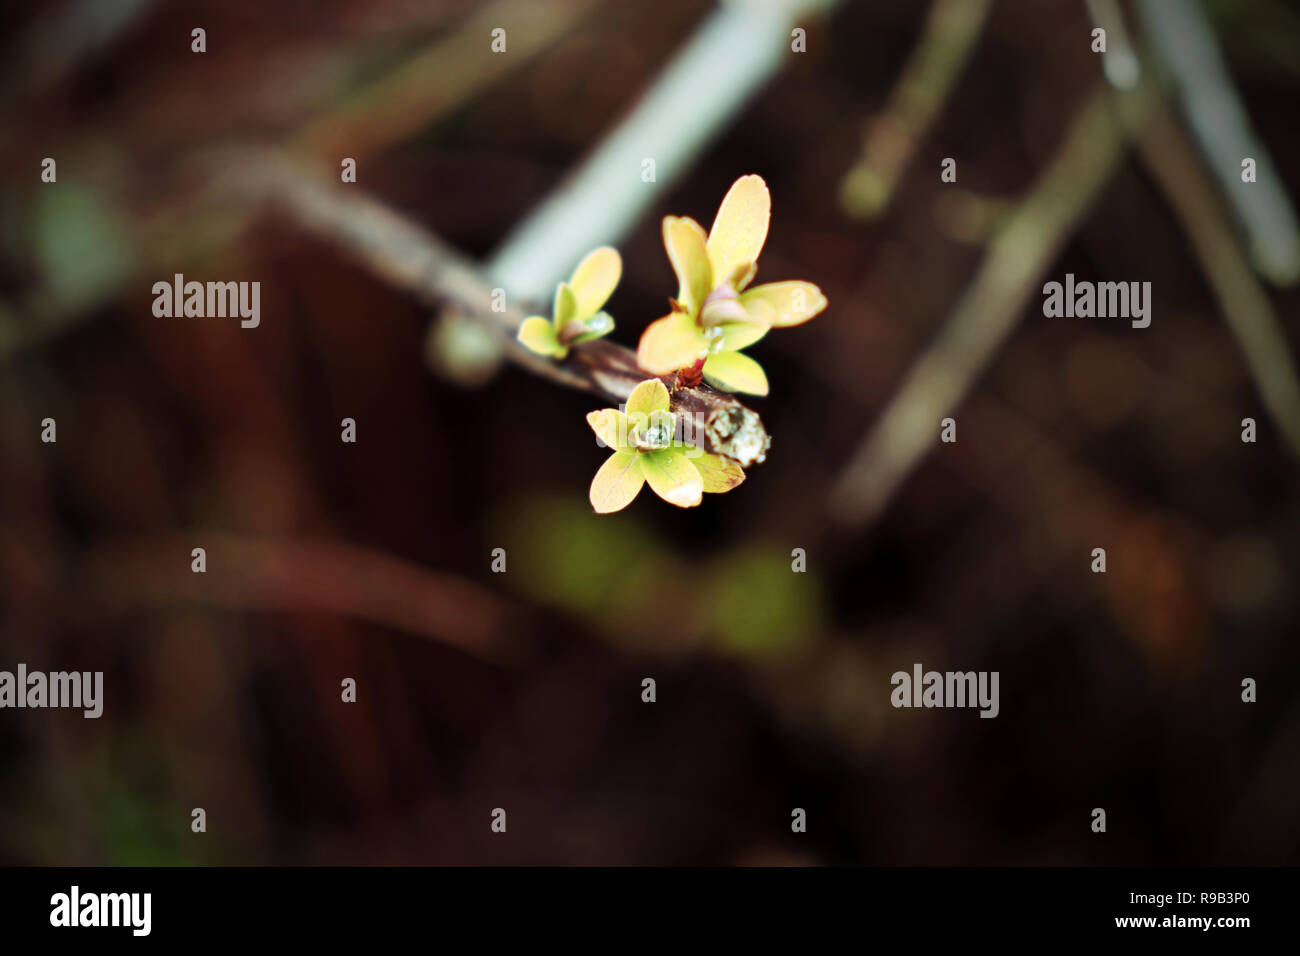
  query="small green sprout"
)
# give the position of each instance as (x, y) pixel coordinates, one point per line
(713, 317)
(646, 451)
(576, 315)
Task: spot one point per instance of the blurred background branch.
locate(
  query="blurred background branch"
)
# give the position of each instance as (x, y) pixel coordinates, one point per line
(994, 302)
(1181, 36)
(1170, 157)
(441, 76)
(952, 30)
(1119, 61)
(304, 575)
(689, 103)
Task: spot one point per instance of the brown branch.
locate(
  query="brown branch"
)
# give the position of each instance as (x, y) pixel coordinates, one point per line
(268, 574)
(412, 258)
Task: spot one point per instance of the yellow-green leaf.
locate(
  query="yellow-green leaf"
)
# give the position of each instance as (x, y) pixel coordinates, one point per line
(566, 306)
(685, 241)
(538, 335)
(739, 336)
(783, 304)
(594, 280)
(647, 398)
(743, 275)
(670, 343)
(734, 372)
(740, 228)
(616, 483)
(672, 477)
(718, 474)
(610, 426)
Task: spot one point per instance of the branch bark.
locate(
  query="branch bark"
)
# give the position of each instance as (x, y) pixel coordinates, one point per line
(410, 257)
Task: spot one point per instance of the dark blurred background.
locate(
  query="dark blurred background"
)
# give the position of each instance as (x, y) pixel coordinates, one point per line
(522, 690)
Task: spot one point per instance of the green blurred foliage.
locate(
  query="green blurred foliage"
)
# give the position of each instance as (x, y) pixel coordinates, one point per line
(614, 571)
(78, 244)
(758, 606)
(134, 832)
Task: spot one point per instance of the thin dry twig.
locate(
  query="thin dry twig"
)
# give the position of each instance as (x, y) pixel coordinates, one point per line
(438, 78)
(419, 91)
(1171, 159)
(992, 304)
(412, 258)
(951, 32)
(267, 574)
(1182, 37)
(736, 49)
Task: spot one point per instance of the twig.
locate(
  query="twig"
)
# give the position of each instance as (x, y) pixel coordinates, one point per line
(1170, 159)
(412, 258)
(58, 42)
(1120, 61)
(304, 575)
(951, 31)
(991, 305)
(439, 78)
(1181, 36)
(730, 56)
(419, 91)
(738, 48)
